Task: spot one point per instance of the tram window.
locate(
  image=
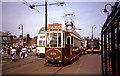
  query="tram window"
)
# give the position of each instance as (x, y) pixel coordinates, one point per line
(119, 37)
(68, 40)
(71, 40)
(43, 43)
(115, 37)
(63, 38)
(119, 26)
(40, 42)
(59, 39)
(47, 41)
(53, 39)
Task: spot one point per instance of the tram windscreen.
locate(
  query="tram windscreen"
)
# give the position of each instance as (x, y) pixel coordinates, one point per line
(42, 43)
(92, 43)
(54, 39)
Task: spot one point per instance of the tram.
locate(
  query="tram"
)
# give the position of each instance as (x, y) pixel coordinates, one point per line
(110, 43)
(41, 43)
(61, 46)
(92, 44)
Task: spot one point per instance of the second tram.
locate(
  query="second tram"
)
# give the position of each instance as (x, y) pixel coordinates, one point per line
(92, 44)
(41, 43)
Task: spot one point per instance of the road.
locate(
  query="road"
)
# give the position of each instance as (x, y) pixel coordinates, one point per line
(86, 64)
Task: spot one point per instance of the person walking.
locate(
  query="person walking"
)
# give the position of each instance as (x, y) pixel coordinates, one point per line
(92, 50)
(84, 51)
(9, 51)
(4, 50)
(23, 52)
(13, 52)
(18, 51)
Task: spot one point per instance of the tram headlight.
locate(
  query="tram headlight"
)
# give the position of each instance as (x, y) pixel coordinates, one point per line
(77, 49)
(64, 56)
(46, 60)
(60, 61)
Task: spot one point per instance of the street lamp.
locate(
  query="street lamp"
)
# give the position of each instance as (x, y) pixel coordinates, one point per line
(59, 3)
(92, 30)
(105, 10)
(22, 31)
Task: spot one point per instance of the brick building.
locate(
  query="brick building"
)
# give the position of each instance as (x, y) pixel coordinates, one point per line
(6, 39)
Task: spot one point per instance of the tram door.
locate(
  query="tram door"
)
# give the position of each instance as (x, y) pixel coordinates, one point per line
(67, 46)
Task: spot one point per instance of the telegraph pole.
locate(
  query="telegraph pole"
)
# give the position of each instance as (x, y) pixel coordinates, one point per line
(45, 15)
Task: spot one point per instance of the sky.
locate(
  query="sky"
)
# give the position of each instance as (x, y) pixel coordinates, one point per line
(86, 15)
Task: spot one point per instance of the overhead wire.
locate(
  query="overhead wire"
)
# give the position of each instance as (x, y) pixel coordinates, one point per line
(62, 6)
(37, 9)
(65, 10)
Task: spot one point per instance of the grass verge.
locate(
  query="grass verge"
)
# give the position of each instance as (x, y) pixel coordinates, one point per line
(8, 58)
(32, 54)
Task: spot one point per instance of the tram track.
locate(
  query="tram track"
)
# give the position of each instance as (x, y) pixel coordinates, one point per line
(20, 65)
(57, 71)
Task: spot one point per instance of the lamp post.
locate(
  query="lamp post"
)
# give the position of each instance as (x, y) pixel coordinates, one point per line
(105, 10)
(22, 31)
(59, 3)
(92, 30)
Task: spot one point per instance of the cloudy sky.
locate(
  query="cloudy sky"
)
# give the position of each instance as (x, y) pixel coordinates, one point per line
(86, 15)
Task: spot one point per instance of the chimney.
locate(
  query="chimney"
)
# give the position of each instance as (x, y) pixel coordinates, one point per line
(28, 35)
(14, 36)
(20, 36)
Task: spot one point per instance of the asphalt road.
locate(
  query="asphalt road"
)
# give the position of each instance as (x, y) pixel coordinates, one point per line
(86, 64)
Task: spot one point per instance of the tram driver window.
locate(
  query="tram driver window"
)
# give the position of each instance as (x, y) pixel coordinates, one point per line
(53, 39)
(68, 40)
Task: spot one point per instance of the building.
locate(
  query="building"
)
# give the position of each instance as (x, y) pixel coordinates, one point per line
(6, 39)
(17, 41)
(33, 42)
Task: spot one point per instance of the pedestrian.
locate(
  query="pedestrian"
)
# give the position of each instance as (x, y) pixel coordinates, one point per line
(2, 51)
(92, 51)
(84, 51)
(13, 53)
(26, 52)
(23, 52)
(9, 51)
(18, 51)
(29, 50)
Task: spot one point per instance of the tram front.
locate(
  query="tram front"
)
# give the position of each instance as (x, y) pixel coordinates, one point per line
(54, 45)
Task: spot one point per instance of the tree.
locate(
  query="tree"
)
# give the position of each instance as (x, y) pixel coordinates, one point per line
(42, 30)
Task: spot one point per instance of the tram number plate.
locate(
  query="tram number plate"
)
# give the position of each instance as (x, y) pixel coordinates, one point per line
(52, 53)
